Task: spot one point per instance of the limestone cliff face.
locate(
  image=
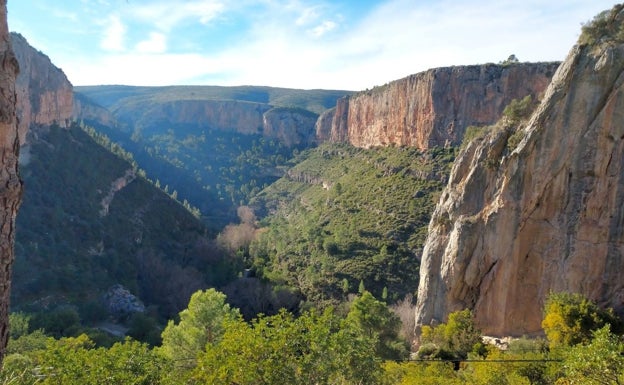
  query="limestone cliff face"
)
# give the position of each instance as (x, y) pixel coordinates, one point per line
(291, 126)
(44, 95)
(433, 108)
(516, 222)
(87, 110)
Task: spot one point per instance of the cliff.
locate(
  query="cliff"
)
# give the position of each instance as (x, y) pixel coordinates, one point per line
(11, 191)
(87, 110)
(433, 108)
(536, 210)
(291, 126)
(44, 95)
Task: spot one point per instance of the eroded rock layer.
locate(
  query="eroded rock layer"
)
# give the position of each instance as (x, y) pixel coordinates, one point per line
(433, 108)
(518, 221)
(44, 95)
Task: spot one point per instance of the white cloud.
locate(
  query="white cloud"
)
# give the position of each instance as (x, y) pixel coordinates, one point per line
(156, 43)
(308, 15)
(114, 34)
(291, 45)
(323, 28)
(166, 15)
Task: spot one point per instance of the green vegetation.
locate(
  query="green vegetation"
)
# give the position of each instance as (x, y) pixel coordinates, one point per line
(214, 345)
(345, 215)
(452, 340)
(72, 243)
(201, 323)
(518, 110)
(113, 97)
(571, 319)
(604, 28)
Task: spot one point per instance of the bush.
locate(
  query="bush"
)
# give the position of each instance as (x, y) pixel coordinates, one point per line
(518, 110)
(603, 26)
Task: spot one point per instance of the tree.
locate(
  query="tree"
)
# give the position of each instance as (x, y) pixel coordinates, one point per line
(201, 323)
(380, 324)
(454, 339)
(315, 348)
(570, 319)
(11, 192)
(74, 360)
(599, 362)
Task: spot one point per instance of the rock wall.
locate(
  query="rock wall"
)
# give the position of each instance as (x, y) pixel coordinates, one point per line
(44, 95)
(433, 108)
(11, 191)
(89, 111)
(518, 221)
(291, 126)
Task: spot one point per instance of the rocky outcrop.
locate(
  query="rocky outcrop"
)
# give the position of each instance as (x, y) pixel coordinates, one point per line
(542, 212)
(11, 191)
(87, 110)
(291, 126)
(433, 108)
(44, 95)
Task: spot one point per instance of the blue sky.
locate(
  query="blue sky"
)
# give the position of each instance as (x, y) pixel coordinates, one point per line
(353, 45)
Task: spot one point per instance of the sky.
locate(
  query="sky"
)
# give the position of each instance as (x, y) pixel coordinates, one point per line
(308, 44)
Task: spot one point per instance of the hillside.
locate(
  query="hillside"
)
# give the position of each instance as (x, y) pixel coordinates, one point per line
(215, 146)
(343, 215)
(89, 221)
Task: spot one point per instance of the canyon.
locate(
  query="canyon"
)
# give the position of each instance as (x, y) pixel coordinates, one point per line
(514, 223)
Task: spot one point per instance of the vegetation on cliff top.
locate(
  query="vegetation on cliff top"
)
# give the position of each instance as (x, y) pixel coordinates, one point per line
(113, 97)
(606, 27)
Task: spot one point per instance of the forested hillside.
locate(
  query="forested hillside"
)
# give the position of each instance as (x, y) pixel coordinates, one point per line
(344, 216)
(215, 146)
(90, 220)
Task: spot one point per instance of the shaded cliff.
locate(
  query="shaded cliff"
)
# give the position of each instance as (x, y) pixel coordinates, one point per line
(536, 210)
(44, 95)
(433, 108)
(287, 115)
(87, 110)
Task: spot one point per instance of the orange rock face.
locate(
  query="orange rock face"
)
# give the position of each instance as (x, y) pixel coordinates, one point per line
(515, 223)
(44, 95)
(433, 108)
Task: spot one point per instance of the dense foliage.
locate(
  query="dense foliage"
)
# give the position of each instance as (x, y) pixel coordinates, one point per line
(213, 170)
(345, 215)
(316, 347)
(90, 220)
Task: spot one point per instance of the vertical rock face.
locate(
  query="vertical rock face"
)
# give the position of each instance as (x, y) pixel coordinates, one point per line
(515, 223)
(291, 126)
(44, 95)
(433, 108)
(10, 193)
(86, 109)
